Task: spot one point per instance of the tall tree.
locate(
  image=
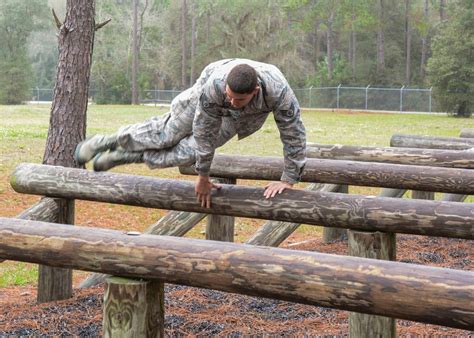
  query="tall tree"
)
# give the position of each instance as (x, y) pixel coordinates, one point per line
(67, 126)
(424, 39)
(135, 53)
(407, 42)
(380, 39)
(184, 43)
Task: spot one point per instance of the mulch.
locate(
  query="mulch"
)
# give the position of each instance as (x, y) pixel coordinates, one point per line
(199, 312)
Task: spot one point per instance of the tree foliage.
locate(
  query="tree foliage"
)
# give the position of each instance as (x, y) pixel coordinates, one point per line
(451, 67)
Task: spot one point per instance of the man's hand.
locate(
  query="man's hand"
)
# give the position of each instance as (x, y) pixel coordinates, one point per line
(274, 188)
(203, 190)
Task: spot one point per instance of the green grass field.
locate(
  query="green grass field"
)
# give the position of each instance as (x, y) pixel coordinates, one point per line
(23, 131)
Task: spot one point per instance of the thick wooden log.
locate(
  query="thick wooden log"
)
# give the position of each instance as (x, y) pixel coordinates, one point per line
(416, 141)
(393, 193)
(422, 195)
(273, 233)
(133, 308)
(375, 245)
(400, 290)
(468, 133)
(431, 218)
(174, 223)
(336, 234)
(399, 176)
(411, 156)
(218, 227)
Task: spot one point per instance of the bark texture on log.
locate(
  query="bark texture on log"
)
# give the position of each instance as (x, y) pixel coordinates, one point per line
(273, 233)
(416, 141)
(377, 245)
(468, 133)
(218, 227)
(412, 156)
(133, 308)
(399, 176)
(408, 291)
(431, 218)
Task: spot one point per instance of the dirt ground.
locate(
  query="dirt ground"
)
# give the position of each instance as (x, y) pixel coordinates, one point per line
(199, 312)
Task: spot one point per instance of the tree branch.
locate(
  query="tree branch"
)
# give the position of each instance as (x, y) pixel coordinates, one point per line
(100, 25)
(56, 19)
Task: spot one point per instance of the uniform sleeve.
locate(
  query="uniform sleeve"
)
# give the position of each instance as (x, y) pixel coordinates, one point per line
(292, 134)
(206, 125)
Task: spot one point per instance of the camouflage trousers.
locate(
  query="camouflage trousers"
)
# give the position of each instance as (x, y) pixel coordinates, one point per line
(167, 141)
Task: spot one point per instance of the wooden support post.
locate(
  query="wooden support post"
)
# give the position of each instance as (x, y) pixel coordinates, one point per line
(468, 133)
(221, 228)
(336, 234)
(56, 283)
(423, 195)
(133, 308)
(376, 245)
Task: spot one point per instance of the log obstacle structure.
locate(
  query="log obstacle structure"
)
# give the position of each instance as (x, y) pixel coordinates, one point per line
(433, 218)
(413, 292)
(371, 174)
(430, 142)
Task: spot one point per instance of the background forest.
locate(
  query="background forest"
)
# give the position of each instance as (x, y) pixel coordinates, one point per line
(164, 44)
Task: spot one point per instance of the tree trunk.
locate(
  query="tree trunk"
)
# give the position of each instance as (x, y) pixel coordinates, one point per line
(67, 125)
(135, 52)
(424, 41)
(330, 45)
(193, 43)
(380, 41)
(317, 46)
(407, 42)
(184, 56)
(352, 47)
(442, 10)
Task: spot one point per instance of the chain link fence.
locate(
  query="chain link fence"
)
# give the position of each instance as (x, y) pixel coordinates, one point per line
(341, 97)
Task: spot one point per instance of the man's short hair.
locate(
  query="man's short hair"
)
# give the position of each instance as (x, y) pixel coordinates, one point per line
(242, 79)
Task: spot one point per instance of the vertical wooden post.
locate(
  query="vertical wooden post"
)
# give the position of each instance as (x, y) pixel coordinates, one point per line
(56, 283)
(336, 234)
(133, 308)
(221, 228)
(376, 245)
(422, 195)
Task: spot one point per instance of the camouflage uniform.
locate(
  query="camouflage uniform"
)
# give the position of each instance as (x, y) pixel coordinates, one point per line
(201, 119)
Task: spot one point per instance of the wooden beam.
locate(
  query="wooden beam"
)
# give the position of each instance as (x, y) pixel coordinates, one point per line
(400, 290)
(398, 176)
(411, 156)
(468, 133)
(417, 141)
(432, 218)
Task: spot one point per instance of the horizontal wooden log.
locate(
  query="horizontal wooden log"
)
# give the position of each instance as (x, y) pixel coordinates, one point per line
(398, 176)
(413, 292)
(412, 156)
(432, 218)
(416, 141)
(468, 133)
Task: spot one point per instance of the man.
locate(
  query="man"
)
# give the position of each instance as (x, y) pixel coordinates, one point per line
(233, 96)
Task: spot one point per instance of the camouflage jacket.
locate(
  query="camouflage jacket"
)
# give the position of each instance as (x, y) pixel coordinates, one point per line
(215, 121)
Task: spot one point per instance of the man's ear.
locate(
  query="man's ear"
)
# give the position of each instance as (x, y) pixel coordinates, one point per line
(255, 91)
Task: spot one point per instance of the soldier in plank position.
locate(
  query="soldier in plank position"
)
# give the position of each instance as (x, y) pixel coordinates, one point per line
(231, 97)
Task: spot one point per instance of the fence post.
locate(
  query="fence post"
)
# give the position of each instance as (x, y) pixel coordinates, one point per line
(401, 98)
(311, 97)
(366, 96)
(37, 94)
(338, 87)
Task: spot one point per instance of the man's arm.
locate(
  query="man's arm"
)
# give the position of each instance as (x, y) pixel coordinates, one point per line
(293, 136)
(206, 125)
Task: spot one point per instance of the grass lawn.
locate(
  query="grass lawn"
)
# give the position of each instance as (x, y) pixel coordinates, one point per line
(23, 131)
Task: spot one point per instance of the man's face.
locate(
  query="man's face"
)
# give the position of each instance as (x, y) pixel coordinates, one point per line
(240, 100)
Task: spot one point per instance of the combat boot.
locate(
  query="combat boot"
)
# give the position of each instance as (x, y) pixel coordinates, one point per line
(89, 148)
(107, 160)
